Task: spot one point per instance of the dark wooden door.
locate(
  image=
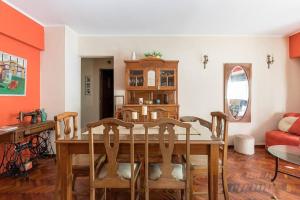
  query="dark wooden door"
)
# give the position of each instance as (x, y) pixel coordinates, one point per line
(106, 93)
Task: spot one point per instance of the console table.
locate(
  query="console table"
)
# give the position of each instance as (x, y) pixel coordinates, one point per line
(26, 136)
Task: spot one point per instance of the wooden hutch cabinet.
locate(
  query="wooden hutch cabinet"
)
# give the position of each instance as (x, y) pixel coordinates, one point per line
(155, 81)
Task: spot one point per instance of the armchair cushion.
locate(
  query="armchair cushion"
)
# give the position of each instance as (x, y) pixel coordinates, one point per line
(295, 128)
(290, 124)
(288, 133)
(281, 138)
(286, 123)
(291, 115)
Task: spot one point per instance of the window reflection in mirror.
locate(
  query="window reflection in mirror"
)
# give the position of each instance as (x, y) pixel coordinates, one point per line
(237, 92)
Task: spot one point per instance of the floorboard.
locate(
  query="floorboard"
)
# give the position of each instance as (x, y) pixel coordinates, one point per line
(249, 179)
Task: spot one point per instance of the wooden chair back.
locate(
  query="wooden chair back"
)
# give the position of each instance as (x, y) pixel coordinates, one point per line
(161, 113)
(166, 138)
(220, 125)
(127, 114)
(202, 122)
(220, 130)
(64, 124)
(63, 120)
(111, 139)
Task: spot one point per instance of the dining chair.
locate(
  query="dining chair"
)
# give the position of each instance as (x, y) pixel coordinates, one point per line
(66, 125)
(219, 129)
(109, 172)
(161, 112)
(165, 174)
(126, 114)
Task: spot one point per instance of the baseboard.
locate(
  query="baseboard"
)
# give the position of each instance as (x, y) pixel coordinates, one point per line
(256, 146)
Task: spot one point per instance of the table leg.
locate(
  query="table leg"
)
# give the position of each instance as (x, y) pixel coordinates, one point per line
(213, 173)
(65, 172)
(58, 175)
(276, 169)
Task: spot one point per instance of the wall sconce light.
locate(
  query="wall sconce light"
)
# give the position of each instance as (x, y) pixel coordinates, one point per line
(205, 60)
(270, 60)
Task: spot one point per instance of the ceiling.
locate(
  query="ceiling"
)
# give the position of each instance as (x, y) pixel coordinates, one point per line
(167, 17)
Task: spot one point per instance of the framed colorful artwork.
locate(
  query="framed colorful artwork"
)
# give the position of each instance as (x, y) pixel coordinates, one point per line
(13, 71)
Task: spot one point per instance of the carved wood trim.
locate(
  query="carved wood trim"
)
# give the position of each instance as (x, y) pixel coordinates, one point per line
(166, 143)
(166, 148)
(227, 71)
(111, 139)
(127, 114)
(160, 112)
(65, 118)
(111, 150)
(202, 122)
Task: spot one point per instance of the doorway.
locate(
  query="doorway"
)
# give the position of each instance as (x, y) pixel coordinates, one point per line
(106, 93)
(97, 89)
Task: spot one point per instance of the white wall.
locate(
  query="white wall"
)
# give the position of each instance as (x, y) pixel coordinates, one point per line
(52, 71)
(60, 72)
(72, 73)
(201, 91)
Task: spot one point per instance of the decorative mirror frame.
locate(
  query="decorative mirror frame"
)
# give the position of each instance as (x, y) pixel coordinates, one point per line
(228, 67)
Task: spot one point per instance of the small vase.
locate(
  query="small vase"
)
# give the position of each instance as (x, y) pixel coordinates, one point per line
(133, 56)
(43, 115)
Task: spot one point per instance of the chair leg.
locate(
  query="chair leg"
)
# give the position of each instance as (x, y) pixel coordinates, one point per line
(191, 185)
(132, 192)
(109, 193)
(92, 193)
(182, 194)
(73, 182)
(138, 187)
(224, 182)
(146, 193)
(187, 194)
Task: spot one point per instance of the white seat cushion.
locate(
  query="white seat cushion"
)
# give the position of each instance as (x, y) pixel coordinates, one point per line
(178, 171)
(124, 171)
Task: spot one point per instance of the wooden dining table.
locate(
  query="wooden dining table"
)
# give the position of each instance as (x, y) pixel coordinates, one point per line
(202, 142)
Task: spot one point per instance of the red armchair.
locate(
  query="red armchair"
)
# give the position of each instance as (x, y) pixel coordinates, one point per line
(277, 137)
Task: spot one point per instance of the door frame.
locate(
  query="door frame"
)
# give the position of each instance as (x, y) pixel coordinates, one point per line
(101, 91)
(94, 57)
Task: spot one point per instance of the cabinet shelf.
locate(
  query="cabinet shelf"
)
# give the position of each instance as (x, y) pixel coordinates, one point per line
(153, 105)
(139, 88)
(153, 80)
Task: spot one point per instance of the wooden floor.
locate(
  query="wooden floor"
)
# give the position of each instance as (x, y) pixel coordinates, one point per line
(249, 179)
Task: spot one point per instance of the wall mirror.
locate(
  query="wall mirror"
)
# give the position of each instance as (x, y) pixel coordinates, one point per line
(237, 94)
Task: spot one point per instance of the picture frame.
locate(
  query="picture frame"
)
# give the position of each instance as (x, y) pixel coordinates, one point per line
(13, 75)
(87, 86)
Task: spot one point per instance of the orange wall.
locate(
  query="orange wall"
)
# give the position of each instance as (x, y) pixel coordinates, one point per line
(294, 46)
(16, 25)
(24, 38)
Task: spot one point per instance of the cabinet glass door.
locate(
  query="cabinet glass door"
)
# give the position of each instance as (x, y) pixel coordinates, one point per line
(167, 78)
(136, 78)
(151, 80)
